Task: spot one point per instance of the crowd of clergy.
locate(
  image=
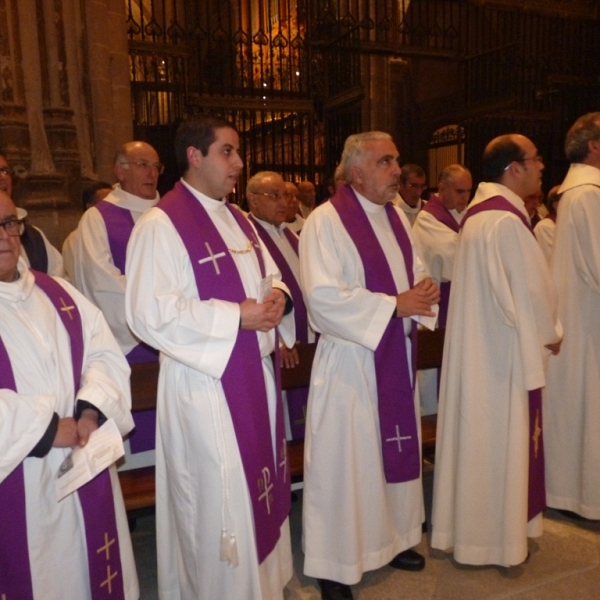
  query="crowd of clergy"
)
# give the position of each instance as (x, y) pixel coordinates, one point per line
(222, 299)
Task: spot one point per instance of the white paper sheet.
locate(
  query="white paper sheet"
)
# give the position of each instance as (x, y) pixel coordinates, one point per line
(104, 447)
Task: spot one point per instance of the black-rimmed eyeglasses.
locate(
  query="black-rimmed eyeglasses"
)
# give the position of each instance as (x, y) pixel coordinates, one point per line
(13, 227)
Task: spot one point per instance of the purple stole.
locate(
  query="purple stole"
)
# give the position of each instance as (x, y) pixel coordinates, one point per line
(119, 225)
(435, 207)
(243, 382)
(537, 486)
(535, 219)
(297, 397)
(551, 216)
(397, 420)
(102, 541)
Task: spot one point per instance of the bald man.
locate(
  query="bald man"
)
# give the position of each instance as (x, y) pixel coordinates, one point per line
(502, 325)
(99, 265)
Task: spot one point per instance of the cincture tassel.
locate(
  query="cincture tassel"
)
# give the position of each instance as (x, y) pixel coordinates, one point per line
(229, 551)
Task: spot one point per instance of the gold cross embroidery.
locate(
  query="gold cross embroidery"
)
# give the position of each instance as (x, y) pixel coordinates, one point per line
(109, 577)
(66, 308)
(106, 547)
(537, 431)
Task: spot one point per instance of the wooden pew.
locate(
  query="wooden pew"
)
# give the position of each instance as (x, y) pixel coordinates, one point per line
(138, 484)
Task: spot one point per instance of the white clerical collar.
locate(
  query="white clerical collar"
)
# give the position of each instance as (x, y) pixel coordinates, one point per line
(269, 226)
(206, 201)
(400, 202)
(580, 174)
(489, 189)
(129, 201)
(369, 206)
(21, 288)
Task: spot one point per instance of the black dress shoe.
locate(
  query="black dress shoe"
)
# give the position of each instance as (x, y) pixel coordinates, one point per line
(333, 590)
(409, 560)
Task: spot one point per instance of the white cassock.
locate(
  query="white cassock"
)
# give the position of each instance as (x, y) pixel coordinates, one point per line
(544, 233)
(95, 275)
(68, 255)
(297, 224)
(94, 272)
(572, 400)
(200, 481)
(410, 211)
(353, 521)
(502, 314)
(436, 246)
(39, 350)
(290, 256)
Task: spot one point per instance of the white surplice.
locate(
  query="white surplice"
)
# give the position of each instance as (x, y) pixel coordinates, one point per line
(544, 233)
(411, 212)
(201, 486)
(436, 246)
(502, 314)
(94, 272)
(39, 349)
(95, 275)
(353, 520)
(572, 400)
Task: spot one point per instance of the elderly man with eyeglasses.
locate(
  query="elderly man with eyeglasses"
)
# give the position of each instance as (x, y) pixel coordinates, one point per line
(99, 254)
(268, 200)
(36, 250)
(61, 375)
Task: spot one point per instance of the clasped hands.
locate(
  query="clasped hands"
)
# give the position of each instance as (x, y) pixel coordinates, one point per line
(71, 433)
(265, 316)
(418, 300)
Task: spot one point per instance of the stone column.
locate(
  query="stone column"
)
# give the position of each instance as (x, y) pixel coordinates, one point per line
(14, 135)
(109, 80)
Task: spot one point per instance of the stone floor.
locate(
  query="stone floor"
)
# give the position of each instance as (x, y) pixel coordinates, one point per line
(564, 565)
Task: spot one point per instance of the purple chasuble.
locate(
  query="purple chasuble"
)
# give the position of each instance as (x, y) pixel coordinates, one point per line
(96, 497)
(243, 381)
(537, 486)
(119, 225)
(297, 398)
(435, 208)
(397, 420)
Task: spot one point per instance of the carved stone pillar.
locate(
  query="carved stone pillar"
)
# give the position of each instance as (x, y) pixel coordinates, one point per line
(109, 80)
(14, 133)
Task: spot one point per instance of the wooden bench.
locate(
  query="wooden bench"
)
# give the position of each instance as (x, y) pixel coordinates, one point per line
(138, 484)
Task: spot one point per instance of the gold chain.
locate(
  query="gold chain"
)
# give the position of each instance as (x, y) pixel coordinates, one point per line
(233, 251)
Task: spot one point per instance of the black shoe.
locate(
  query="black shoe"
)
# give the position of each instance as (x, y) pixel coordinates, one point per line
(409, 560)
(333, 590)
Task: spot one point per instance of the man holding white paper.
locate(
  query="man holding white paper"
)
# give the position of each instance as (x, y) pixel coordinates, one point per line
(362, 282)
(61, 371)
(196, 272)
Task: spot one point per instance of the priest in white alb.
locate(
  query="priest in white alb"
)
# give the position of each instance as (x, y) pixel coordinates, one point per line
(203, 289)
(572, 399)
(362, 281)
(99, 271)
(502, 326)
(61, 373)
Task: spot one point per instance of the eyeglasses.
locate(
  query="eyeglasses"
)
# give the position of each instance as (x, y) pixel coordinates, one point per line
(417, 186)
(7, 171)
(144, 165)
(538, 157)
(13, 227)
(274, 195)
